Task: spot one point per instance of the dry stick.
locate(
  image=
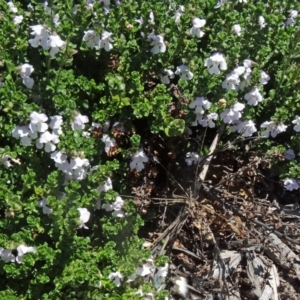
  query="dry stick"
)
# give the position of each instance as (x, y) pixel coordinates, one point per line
(202, 175)
(211, 191)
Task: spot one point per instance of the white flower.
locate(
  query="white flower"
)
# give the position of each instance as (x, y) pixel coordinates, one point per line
(6, 255)
(18, 20)
(271, 127)
(237, 29)
(208, 120)
(79, 121)
(106, 41)
(160, 276)
(25, 71)
(262, 23)
(166, 76)
(230, 115)
(22, 249)
(138, 160)
(117, 277)
(178, 14)
(146, 269)
(25, 134)
(83, 217)
(91, 38)
(47, 139)
(297, 124)
(12, 8)
(197, 24)
(117, 205)
(58, 157)
(246, 128)
(43, 203)
(56, 44)
(56, 122)
(200, 104)
(220, 3)
(41, 37)
(140, 21)
(278, 129)
(246, 75)
(181, 286)
(214, 62)
(4, 160)
(105, 186)
(291, 184)
(231, 81)
(264, 77)
(289, 154)
(151, 18)
(291, 19)
(158, 44)
(253, 97)
(56, 20)
(184, 72)
(192, 157)
(37, 122)
(109, 142)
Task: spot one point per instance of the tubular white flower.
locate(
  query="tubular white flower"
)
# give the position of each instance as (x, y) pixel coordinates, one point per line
(289, 154)
(138, 160)
(6, 255)
(254, 97)
(37, 122)
(184, 72)
(264, 77)
(261, 21)
(237, 29)
(79, 121)
(22, 250)
(197, 24)
(291, 184)
(106, 41)
(214, 62)
(11, 7)
(166, 76)
(56, 44)
(117, 277)
(18, 20)
(91, 38)
(297, 124)
(192, 157)
(83, 217)
(200, 104)
(231, 81)
(158, 44)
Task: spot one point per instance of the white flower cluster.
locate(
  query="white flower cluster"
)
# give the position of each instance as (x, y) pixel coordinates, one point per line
(138, 160)
(25, 71)
(43, 38)
(158, 43)
(93, 40)
(200, 105)
(39, 126)
(79, 121)
(245, 128)
(272, 128)
(7, 256)
(75, 168)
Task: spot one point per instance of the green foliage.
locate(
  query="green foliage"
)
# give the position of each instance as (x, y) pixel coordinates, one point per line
(121, 85)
